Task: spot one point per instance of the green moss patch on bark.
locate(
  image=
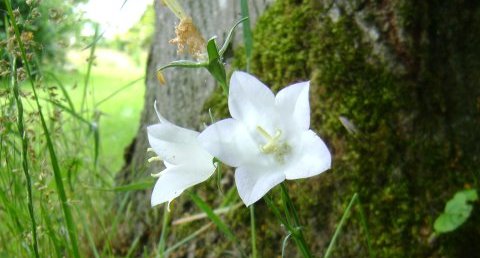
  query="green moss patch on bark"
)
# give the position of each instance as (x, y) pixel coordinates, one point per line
(413, 94)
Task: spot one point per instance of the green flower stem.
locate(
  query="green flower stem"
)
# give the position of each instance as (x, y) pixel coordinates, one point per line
(289, 208)
(292, 216)
(163, 235)
(295, 232)
(252, 231)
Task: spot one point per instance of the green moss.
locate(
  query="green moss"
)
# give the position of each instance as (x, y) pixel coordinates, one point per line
(410, 153)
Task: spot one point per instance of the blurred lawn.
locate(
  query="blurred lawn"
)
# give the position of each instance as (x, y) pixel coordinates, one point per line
(119, 114)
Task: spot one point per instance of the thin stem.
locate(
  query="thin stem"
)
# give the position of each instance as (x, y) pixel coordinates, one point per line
(163, 235)
(91, 59)
(294, 231)
(188, 238)
(247, 33)
(25, 165)
(363, 220)
(340, 225)
(252, 231)
(289, 203)
(292, 214)
(271, 205)
(71, 228)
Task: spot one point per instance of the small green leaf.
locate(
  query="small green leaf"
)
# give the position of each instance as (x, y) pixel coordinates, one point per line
(184, 64)
(470, 195)
(215, 66)
(230, 36)
(457, 211)
(213, 217)
(212, 50)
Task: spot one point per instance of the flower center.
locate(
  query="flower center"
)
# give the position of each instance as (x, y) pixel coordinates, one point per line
(274, 146)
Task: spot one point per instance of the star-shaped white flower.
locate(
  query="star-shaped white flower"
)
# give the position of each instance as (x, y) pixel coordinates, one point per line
(268, 137)
(186, 162)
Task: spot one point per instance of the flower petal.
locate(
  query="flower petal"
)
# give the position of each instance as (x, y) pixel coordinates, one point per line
(175, 144)
(293, 103)
(229, 141)
(175, 179)
(311, 157)
(254, 182)
(160, 117)
(249, 101)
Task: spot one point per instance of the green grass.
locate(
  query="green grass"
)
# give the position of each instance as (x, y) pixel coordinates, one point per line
(119, 114)
(53, 169)
(63, 131)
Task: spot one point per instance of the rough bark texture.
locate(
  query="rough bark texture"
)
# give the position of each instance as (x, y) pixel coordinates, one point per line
(180, 100)
(405, 73)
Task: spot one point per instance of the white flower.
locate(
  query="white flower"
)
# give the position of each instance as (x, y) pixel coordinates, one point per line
(268, 137)
(186, 163)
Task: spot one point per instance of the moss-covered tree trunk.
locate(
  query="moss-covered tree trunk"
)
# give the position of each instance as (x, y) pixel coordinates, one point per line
(404, 78)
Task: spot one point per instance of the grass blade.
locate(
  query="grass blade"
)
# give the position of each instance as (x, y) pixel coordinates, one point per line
(363, 220)
(64, 90)
(133, 246)
(128, 85)
(24, 142)
(284, 244)
(213, 217)
(91, 58)
(247, 32)
(188, 238)
(51, 232)
(340, 225)
(203, 215)
(163, 235)
(72, 232)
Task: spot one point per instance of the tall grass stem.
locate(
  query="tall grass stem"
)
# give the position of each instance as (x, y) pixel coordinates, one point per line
(91, 59)
(72, 232)
(24, 142)
(345, 215)
(163, 235)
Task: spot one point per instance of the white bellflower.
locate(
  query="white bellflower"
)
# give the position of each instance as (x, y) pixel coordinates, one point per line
(187, 164)
(268, 138)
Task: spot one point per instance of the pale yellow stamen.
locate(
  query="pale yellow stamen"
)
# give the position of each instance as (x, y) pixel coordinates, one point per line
(272, 142)
(274, 145)
(156, 174)
(154, 159)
